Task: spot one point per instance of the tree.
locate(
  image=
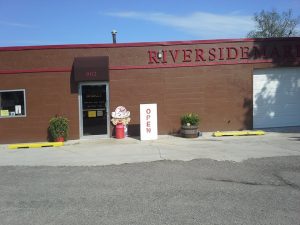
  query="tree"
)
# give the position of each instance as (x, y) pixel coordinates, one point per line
(272, 24)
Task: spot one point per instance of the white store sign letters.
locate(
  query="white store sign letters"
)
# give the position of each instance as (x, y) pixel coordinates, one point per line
(148, 121)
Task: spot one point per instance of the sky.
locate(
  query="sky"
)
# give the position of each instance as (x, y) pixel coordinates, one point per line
(56, 22)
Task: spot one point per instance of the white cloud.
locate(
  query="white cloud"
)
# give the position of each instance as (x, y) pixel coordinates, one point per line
(13, 24)
(200, 24)
(298, 29)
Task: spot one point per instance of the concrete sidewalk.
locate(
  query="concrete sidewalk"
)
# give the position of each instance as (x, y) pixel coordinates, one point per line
(131, 150)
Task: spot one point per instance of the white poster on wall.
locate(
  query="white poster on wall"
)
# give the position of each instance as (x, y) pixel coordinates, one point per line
(148, 121)
(18, 109)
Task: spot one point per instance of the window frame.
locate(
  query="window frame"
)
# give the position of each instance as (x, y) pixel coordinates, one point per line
(25, 108)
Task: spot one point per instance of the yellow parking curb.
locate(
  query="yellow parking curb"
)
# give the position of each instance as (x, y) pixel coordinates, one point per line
(237, 133)
(36, 145)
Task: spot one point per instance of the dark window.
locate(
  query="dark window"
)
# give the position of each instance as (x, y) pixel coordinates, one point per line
(12, 103)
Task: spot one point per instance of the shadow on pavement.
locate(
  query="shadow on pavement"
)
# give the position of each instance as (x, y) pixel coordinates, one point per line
(295, 138)
(283, 129)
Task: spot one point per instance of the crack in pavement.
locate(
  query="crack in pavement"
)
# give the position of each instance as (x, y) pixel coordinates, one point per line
(286, 182)
(283, 182)
(159, 152)
(244, 182)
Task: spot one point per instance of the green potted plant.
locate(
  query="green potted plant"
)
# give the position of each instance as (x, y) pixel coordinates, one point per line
(189, 125)
(59, 128)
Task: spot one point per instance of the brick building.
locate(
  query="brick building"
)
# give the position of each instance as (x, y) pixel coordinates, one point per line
(232, 84)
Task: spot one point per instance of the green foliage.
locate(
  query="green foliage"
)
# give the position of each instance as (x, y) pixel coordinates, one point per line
(59, 127)
(191, 119)
(273, 24)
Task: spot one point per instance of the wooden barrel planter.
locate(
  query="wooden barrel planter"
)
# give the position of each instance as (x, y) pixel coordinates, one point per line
(189, 131)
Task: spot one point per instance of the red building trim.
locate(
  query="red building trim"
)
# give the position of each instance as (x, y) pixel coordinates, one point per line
(144, 44)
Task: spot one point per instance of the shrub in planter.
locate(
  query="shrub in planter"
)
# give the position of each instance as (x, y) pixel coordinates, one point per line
(189, 125)
(59, 128)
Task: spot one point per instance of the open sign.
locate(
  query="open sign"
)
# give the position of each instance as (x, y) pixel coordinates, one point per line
(148, 121)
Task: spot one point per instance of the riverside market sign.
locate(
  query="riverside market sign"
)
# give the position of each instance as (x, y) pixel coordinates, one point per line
(221, 54)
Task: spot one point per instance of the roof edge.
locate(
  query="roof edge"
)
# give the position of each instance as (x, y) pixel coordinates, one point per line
(144, 44)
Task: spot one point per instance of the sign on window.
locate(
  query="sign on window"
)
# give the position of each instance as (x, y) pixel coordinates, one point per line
(12, 103)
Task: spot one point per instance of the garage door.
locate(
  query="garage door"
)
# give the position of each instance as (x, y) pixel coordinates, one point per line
(276, 97)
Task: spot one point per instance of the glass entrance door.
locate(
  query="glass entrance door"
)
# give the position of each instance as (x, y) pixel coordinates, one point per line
(94, 98)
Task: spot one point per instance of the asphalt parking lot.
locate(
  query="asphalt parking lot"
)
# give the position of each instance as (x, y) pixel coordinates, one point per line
(200, 191)
(211, 181)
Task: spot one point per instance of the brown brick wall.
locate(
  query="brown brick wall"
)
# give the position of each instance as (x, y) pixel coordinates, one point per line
(47, 94)
(221, 95)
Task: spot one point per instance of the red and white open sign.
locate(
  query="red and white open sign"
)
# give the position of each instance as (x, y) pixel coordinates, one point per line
(148, 121)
